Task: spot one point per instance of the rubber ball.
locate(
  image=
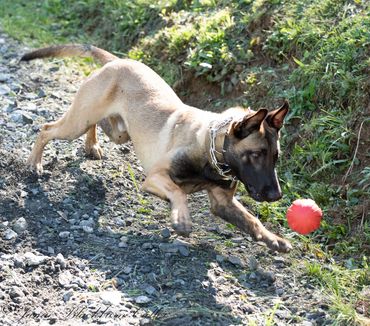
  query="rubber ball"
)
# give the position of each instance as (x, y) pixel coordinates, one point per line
(304, 216)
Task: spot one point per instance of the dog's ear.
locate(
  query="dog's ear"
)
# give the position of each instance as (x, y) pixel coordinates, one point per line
(249, 124)
(276, 117)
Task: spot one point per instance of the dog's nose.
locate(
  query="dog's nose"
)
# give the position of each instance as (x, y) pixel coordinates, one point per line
(273, 195)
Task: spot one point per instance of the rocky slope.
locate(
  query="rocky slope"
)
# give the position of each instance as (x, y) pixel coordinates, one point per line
(83, 245)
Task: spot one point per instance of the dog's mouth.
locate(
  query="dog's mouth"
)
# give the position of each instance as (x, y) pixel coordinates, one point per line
(261, 196)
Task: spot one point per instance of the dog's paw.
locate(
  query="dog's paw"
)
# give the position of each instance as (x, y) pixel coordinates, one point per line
(94, 151)
(273, 241)
(181, 222)
(182, 229)
(35, 167)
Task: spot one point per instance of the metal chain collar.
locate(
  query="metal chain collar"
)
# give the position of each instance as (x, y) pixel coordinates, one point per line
(214, 129)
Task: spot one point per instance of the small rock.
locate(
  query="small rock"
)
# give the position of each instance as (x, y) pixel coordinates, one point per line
(179, 242)
(20, 225)
(122, 245)
(235, 260)
(61, 261)
(16, 294)
(34, 260)
(123, 239)
(127, 270)
(4, 225)
(220, 258)
(237, 240)
(4, 77)
(184, 251)
(9, 234)
(168, 247)
(64, 234)
(65, 279)
(87, 229)
(68, 295)
(150, 290)
(165, 233)
(145, 322)
(142, 299)
(18, 261)
(4, 89)
(252, 263)
(51, 250)
(147, 245)
(111, 298)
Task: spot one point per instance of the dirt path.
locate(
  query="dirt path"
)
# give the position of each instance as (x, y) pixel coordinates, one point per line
(81, 244)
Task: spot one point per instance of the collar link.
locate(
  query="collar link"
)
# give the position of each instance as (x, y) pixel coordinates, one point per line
(223, 169)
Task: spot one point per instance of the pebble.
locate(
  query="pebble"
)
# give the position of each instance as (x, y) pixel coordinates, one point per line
(87, 229)
(147, 245)
(65, 279)
(142, 299)
(34, 260)
(235, 260)
(20, 225)
(4, 89)
(150, 290)
(9, 234)
(61, 261)
(111, 298)
(220, 258)
(122, 245)
(184, 251)
(165, 233)
(16, 294)
(68, 295)
(64, 234)
(252, 263)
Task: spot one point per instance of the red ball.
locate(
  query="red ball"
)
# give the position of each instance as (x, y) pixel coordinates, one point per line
(304, 216)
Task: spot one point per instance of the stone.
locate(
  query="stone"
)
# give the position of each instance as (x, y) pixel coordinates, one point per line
(184, 251)
(16, 294)
(61, 261)
(34, 260)
(142, 299)
(122, 245)
(235, 260)
(68, 295)
(20, 225)
(111, 298)
(65, 279)
(4, 89)
(147, 245)
(220, 258)
(252, 263)
(165, 233)
(9, 234)
(64, 234)
(168, 248)
(87, 229)
(127, 270)
(150, 290)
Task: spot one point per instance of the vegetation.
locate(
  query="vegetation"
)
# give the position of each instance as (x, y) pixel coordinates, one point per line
(315, 53)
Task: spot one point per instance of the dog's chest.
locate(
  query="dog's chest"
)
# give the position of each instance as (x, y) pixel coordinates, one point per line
(193, 175)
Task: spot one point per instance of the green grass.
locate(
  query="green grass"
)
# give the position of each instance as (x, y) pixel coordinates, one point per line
(315, 53)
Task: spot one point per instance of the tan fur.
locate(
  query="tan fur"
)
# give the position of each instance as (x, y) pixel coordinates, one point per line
(132, 102)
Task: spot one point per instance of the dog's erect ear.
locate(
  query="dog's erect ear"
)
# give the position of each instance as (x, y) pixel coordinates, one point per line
(249, 123)
(276, 117)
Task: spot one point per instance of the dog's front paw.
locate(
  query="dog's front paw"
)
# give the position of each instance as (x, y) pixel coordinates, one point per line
(273, 241)
(181, 222)
(35, 167)
(94, 151)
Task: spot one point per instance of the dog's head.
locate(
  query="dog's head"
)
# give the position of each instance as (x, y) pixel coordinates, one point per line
(251, 150)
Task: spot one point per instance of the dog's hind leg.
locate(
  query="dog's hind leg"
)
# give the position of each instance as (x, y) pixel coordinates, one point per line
(160, 184)
(92, 146)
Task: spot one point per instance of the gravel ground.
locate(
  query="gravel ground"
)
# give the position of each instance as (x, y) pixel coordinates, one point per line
(83, 245)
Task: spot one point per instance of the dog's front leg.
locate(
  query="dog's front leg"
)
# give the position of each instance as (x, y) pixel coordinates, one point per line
(92, 146)
(226, 206)
(160, 184)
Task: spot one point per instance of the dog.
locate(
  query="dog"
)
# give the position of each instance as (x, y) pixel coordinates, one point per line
(181, 148)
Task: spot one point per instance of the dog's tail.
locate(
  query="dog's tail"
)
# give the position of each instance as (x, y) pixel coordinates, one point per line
(69, 50)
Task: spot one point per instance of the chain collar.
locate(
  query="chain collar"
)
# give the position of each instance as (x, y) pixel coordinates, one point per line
(222, 169)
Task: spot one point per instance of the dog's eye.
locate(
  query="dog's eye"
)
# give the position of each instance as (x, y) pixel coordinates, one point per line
(255, 154)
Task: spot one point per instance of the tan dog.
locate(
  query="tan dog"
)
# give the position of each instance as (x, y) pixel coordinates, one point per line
(181, 148)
